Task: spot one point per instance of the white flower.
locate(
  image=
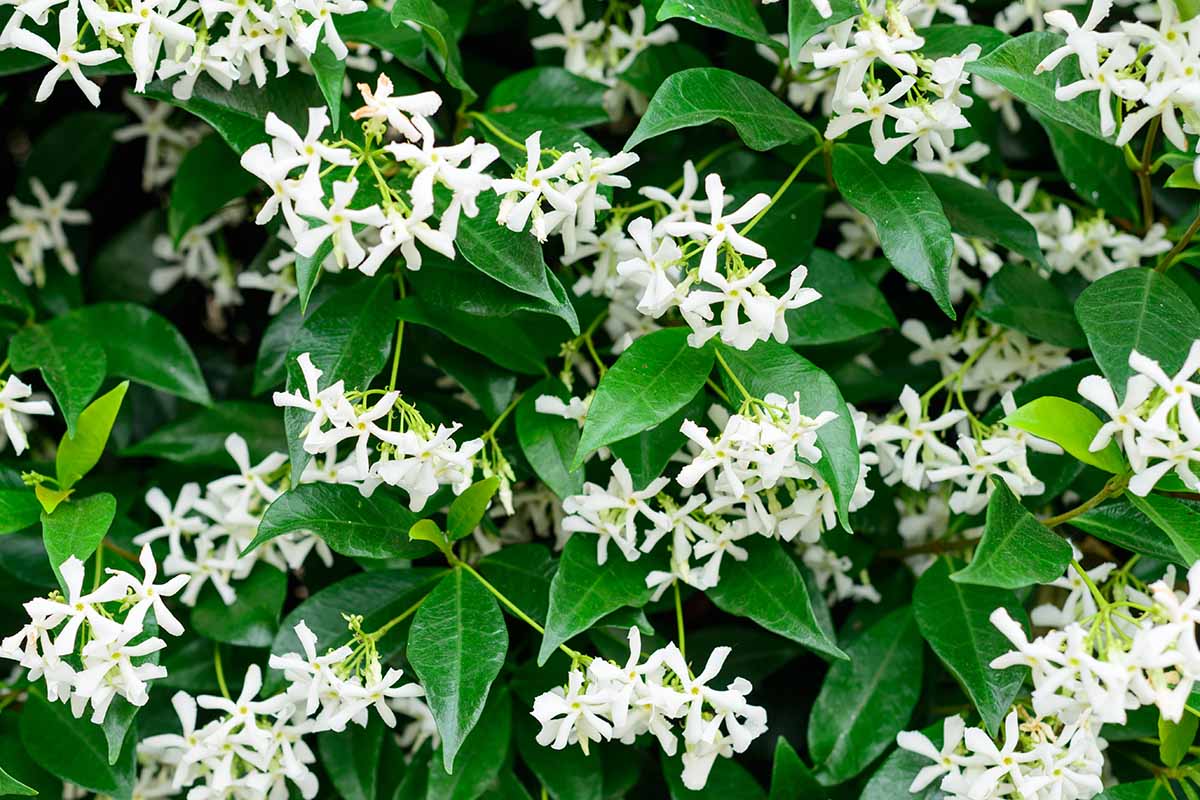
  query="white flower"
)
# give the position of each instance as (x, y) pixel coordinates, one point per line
(720, 227)
(66, 56)
(13, 402)
(401, 112)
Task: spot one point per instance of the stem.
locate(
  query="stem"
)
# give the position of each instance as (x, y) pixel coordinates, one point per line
(503, 416)
(499, 134)
(1143, 176)
(1115, 486)
(120, 551)
(679, 621)
(1180, 246)
(1100, 601)
(511, 606)
(99, 568)
(220, 671)
(378, 634)
(720, 392)
(396, 351)
(732, 377)
(782, 188)
(591, 348)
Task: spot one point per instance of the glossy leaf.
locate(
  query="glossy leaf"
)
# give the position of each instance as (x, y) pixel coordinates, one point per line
(1072, 427)
(655, 377)
(791, 778)
(468, 508)
(352, 758)
(74, 749)
(1095, 169)
(252, 620)
(549, 442)
(19, 509)
(1016, 549)
(457, 646)
(71, 362)
(199, 438)
(78, 453)
(908, 216)
(76, 529)
(209, 177)
(1019, 298)
(481, 757)
(553, 91)
(978, 213)
(1178, 519)
(739, 17)
(805, 22)
(850, 305)
(1121, 523)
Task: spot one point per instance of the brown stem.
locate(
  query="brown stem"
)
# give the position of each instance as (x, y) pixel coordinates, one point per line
(1143, 176)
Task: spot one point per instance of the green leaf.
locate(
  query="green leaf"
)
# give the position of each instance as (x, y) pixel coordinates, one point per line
(805, 21)
(583, 591)
(1120, 523)
(953, 618)
(13, 294)
(769, 588)
(457, 646)
(908, 216)
(553, 91)
(147, 349)
(1011, 65)
(1016, 549)
(252, 620)
(522, 572)
(651, 380)
(1141, 790)
(481, 757)
(728, 779)
(352, 758)
(71, 361)
(1174, 739)
(436, 25)
(512, 258)
(76, 529)
(1095, 169)
(549, 442)
(19, 509)
(850, 305)
(491, 387)
(200, 438)
(209, 177)
(892, 779)
(950, 39)
(977, 213)
(1017, 297)
(426, 530)
(372, 26)
(771, 367)
(791, 778)
(788, 230)
(75, 750)
(468, 508)
(655, 64)
(647, 454)
(1137, 309)
(308, 271)
(699, 96)
(567, 774)
(739, 17)
(330, 72)
(507, 341)
(379, 596)
(348, 338)
(78, 453)
(10, 785)
(238, 113)
(270, 366)
(352, 525)
(866, 701)
(1178, 520)
(1069, 425)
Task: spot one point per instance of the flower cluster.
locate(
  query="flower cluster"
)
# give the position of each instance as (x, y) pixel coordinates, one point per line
(601, 50)
(1154, 423)
(416, 457)
(165, 144)
(207, 534)
(1114, 645)
(195, 258)
(38, 229)
(608, 701)
(178, 41)
(647, 273)
(84, 653)
(255, 747)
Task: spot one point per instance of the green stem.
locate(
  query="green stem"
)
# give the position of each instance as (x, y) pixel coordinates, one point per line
(1113, 487)
(499, 134)
(1169, 259)
(220, 671)
(732, 377)
(782, 188)
(720, 392)
(1143, 176)
(379, 633)
(679, 622)
(1100, 601)
(503, 416)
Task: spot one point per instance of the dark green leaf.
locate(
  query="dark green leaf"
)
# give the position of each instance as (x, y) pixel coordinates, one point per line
(1179, 520)
(1016, 549)
(791, 778)
(805, 22)
(655, 377)
(457, 646)
(892, 779)
(739, 17)
(75, 149)
(769, 589)
(437, 27)
(1095, 169)
(977, 213)
(567, 774)
(481, 757)
(209, 177)
(850, 305)
(655, 64)
(1018, 298)
(866, 701)
(19, 509)
(330, 72)
(10, 785)
(74, 749)
(200, 437)
(351, 757)
(908, 216)
(728, 779)
(549, 442)
(71, 361)
(76, 529)
(950, 39)
(522, 572)
(1120, 523)
(699, 96)
(554, 92)
(253, 618)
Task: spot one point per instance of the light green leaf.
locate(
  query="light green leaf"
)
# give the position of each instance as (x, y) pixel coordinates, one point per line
(1179, 520)
(252, 620)
(78, 453)
(699, 96)
(954, 619)
(468, 508)
(655, 377)
(71, 361)
(975, 212)
(1011, 65)
(1137, 309)
(352, 525)
(1016, 549)
(908, 216)
(549, 442)
(769, 588)
(739, 17)
(209, 177)
(1071, 426)
(1019, 298)
(76, 529)
(584, 590)
(771, 367)
(10, 785)
(866, 701)
(457, 646)
(1174, 739)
